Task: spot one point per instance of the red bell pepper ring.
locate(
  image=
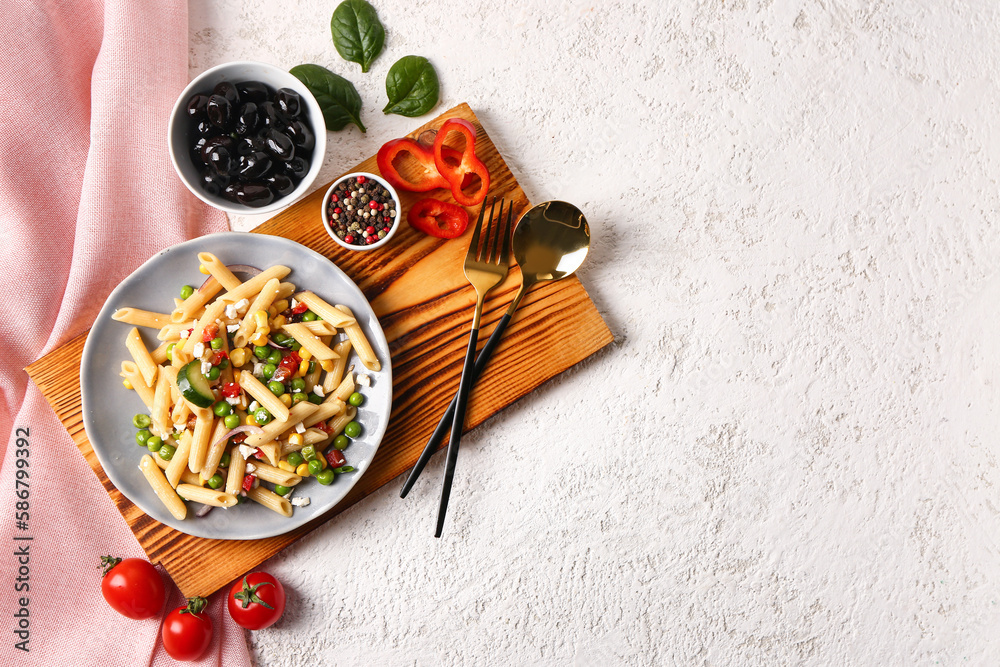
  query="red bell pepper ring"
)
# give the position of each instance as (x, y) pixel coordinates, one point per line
(438, 218)
(428, 180)
(456, 170)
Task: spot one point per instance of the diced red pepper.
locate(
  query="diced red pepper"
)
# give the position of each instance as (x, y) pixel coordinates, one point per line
(438, 218)
(456, 170)
(230, 390)
(209, 333)
(219, 356)
(290, 361)
(335, 458)
(259, 453)
(299, 308)
(238, 438)
(323, 426)
(420, 179)
(248, 481)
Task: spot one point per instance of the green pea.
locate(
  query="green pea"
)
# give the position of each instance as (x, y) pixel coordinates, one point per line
(295, 459)
(154, 443)
(224, 461)
(298, 398)
(186, 291)
(141, 421)
(315, 467)
(276, 387)
(231, 421)
(142, 436)
(325, 477)
(274, 357)
(315, 398)
(298, 384)
(352, 430)
(355, 399)
(279, 338)
(262, 416)
(312, 366)
(214, 373)
(308, 452)
(167, 452)
(216, 343)
(268, 370)
(224, 364)
(221, 409)
(215, 481)
(341, 441)
(282, 490)
(309, 316)
(170, 351)
(261, 352)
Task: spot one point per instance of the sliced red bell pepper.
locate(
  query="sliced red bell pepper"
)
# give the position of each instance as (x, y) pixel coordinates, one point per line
(438, 218)
(424, 157)
(454, 169)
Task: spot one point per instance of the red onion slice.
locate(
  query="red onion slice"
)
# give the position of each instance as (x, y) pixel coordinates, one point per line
(205, 509)
(246, 428)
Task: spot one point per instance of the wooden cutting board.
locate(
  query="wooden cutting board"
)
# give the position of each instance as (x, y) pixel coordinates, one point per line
(418, 290)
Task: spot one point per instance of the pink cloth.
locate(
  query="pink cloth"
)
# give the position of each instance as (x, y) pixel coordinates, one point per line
(87, 193)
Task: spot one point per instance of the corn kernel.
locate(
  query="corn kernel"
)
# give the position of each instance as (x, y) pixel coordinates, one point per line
(278, 322)
(286, 399)
(303, 369)
(326, 365)
(295, 439)
(127, 384)
(272, 311)
(203, 269)
(322, 460)
(259, 339)
(305, 354)
(281, 305)
(239, 356)
(286, 466)
(250, 421)
(302, 470)
(260, 319)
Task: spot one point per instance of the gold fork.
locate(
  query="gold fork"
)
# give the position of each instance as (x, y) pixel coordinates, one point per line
(485, 268)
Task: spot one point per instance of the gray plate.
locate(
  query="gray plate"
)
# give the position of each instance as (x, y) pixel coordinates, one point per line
(108, 407)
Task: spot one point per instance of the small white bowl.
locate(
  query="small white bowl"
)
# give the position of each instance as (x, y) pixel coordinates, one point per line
(326, 216)
(180, 137)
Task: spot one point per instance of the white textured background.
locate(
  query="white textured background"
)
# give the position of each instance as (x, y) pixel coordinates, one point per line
(789, 456)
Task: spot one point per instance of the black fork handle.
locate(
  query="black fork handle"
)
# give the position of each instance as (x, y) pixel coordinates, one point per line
(449, 415)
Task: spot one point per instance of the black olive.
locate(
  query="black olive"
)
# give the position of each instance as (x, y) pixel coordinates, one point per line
(301, 135)
(220, 111)
(219, 158)
(212, 142)
(296, 168)
(228, 90)
(279, 145)
(254, 194)
(196, 106)
(281, 184)
(246, 121)
(196, 150)
(248, 145)
(255, 165)
(229, 192)
(288, 101)
(213, 182)
(205, 129)
(271, 116)
(253, 91)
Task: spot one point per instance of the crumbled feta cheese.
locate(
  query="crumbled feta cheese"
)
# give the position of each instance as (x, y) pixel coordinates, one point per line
(364, 380)
(250, 468)
(242, 304)
(199, 349)
(253, 406)
(318, 390)
(258, 369)
(232, 327)
(247, 451)
(300, 428)
(231, 311)
(300, 502)
(206, 366)
(185, 333)
(233, 400)
(294, 303)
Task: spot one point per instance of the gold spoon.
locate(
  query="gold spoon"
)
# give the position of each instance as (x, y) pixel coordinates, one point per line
(550, 242)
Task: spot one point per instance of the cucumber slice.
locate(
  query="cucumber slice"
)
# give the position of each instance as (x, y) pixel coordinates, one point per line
(194, 386)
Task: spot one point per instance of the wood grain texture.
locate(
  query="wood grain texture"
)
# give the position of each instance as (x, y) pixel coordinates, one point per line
(419, 293)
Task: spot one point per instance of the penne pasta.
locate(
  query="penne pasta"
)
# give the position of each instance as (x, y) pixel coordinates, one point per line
(192, 306)
(143, 361)
(211, 314)
(361, 345)
(132, 375)
(141, 318)
(269, 473)
(178, 463)
(200, 494)
(335, 375)
(270, 500)
(337, 318)
(275, 428)
(187, 476)
(164, 491)
(310, 342)
(219, 271)
(255, 284)
(264, 396)
(263, 301)
(237, 468)
(203, 425)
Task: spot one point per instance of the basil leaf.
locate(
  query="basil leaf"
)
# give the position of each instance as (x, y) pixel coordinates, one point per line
(357, 32)
(412, 87)
(337, 97)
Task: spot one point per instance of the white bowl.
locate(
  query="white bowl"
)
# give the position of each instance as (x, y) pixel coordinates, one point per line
(326, 217)
(180, 135)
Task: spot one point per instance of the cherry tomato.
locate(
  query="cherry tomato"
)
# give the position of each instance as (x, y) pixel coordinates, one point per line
(256, 601)
(132, 587)
(187, 632)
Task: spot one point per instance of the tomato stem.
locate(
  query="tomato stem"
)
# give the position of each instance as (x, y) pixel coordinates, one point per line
(249, 594)
(108, 563)
(194, 605)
